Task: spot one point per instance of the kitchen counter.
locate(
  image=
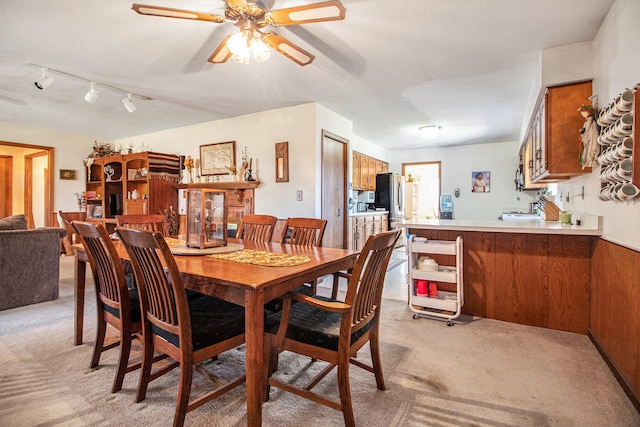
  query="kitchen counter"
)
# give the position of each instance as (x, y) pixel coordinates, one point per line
(365, 213)
(530, 272)
(591, 226)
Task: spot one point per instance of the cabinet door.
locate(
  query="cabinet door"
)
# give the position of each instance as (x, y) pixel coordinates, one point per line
(385, 167)
(364, 172)
(358, 233)
(356, 175)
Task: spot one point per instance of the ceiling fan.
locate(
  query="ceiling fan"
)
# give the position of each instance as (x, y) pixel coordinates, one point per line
(251, 17)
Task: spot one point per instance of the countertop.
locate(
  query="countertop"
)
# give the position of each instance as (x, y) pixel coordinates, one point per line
(366, 213)
(591, 225)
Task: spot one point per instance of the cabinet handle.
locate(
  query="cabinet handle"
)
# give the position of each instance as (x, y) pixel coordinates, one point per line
(530, 164)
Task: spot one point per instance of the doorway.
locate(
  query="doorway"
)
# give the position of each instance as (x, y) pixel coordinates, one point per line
(32, 181)
(6, 186)
(423, 194)
(334, 189)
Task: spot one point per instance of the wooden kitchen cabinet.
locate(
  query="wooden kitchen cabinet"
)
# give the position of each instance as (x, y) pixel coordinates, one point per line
(356, 175)
(364, 171)
(363, 226)
(551, 149)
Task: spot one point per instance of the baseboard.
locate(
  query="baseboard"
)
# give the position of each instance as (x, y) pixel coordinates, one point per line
(628, 389)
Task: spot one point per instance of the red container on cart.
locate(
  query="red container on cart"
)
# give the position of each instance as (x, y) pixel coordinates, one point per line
(433, 290)
(421, 287)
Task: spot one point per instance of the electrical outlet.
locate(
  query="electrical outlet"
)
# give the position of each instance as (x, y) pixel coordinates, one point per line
(299, 195)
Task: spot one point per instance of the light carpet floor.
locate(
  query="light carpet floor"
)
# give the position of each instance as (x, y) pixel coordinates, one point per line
(479, 372)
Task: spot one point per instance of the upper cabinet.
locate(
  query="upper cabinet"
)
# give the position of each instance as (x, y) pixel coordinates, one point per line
(551, 149)
(364, 171)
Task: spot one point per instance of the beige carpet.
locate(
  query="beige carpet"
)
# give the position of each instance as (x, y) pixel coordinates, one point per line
(478, 373)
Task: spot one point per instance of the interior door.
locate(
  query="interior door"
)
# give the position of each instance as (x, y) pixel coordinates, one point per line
(6, 194)
(334, 190)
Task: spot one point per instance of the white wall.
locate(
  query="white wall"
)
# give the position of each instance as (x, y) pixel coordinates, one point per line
(501, 159)
(71, 150)
(616, 67)
(259, 132)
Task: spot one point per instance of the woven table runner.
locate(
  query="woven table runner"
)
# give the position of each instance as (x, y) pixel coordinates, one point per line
(264, 258)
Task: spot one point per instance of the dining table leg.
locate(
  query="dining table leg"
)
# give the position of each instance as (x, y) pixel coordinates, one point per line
(80, 276)
(254, 339)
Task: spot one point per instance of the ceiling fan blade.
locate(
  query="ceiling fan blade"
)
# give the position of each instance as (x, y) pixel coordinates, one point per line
(318, 12)
(177, 13)
(288, 49)
(222, 53)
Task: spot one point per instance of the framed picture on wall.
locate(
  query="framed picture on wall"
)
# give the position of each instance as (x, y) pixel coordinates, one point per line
(218, 159)
(480, 182)
(282, 162)
(67, 174)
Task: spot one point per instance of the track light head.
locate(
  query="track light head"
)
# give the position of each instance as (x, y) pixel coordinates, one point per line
(45, 81)
(128, 103)
(92, 94)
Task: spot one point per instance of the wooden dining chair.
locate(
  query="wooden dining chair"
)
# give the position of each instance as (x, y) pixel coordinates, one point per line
(304, 232)
(149, 222)
(258, 228)
(332, 330)
(65, 219)
(116, 304)
(188, 331)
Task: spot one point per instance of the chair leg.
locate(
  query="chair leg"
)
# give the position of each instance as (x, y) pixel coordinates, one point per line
(145, 369)
(99, 346)
(374, 345)
(184, 390)
(125, 350)
(345, 393)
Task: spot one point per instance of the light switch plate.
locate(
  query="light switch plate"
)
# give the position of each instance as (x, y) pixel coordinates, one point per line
(299, 195)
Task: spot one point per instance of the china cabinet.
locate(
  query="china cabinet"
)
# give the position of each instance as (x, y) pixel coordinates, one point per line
(137, 183)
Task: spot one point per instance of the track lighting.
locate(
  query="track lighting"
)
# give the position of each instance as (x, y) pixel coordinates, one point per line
(45, 81)
(92, 94)
(128, 103)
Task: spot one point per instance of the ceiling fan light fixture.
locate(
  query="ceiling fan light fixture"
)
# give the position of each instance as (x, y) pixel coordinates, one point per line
(245, 43)
(430, 131)
(128, 103)
(92, 94)
(261, 52)
(45, 81)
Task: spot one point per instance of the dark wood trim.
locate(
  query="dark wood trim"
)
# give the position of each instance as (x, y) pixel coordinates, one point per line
(6, 173)
(626, 386)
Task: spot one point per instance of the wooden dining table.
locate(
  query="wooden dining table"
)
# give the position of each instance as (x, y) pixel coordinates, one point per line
(248, 285)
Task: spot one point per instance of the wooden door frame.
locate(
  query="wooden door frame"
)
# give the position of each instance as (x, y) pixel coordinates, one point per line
(49, 181)
(8, 183)
(345, 171)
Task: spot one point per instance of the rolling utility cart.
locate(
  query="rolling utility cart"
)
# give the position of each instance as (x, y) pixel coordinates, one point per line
(435, 284)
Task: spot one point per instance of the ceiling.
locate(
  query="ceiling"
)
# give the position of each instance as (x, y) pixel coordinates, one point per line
(389, 67)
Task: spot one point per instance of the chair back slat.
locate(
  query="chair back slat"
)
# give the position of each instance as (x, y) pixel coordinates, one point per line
(364, 291)
(303, 231)
(257, 228)
(108, 272)
(162, 292)
(149, 222)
